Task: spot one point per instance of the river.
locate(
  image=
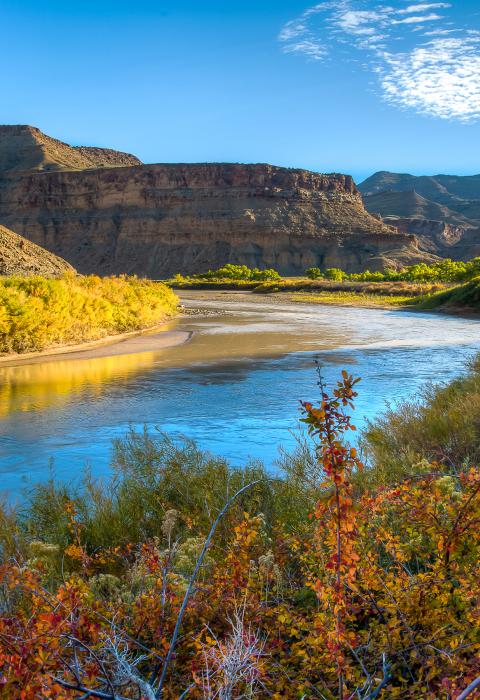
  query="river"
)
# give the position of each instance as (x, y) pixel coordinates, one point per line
(234, 387)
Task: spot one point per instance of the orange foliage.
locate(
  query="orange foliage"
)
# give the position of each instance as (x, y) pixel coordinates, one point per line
(378, 597)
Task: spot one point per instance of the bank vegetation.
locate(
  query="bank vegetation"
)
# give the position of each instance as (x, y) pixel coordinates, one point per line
(449, 285)
(39, 312)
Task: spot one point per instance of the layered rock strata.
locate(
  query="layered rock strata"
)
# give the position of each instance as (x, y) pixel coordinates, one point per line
(155, 220)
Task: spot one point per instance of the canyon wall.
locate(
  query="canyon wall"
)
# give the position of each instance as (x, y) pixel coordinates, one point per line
(105, 212)
(156, 220)
(21, 257)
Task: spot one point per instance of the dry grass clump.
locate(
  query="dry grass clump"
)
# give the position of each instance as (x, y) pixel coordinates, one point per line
(353, 299)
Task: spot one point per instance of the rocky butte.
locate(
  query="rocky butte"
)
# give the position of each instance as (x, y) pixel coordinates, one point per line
(21, 257)
(105, 212)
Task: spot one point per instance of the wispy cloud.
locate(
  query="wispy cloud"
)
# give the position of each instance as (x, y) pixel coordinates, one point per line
(422, 59)
(440, 78)
(309, 47)
(418, 19)
(423, 7)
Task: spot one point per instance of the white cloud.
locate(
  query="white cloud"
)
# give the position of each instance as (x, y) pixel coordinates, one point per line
(423, 7)
(440, 32)
(292, 30)
(441, 79)
(435, 72)
(358, 22)
(418, 19)
(309, 48)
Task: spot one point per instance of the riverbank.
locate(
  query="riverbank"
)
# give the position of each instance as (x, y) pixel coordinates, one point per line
(457, 300)
(40, 314)
(146, 340)
(399, 295)
(327, 298)
(407, 290)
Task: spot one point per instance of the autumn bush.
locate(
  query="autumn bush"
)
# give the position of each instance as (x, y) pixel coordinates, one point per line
(316, 582)
(39, 312)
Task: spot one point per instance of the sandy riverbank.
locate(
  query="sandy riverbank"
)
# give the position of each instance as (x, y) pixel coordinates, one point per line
(338, 299)
(148, 340)
(294, 298)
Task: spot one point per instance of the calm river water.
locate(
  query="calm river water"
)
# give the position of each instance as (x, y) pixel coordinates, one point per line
(234, 387)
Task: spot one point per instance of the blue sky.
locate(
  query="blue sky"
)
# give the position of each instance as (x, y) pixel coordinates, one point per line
(350, 86)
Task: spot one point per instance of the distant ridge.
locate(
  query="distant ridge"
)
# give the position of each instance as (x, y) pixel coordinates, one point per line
(21, 257)
(25, 148)
(459, 193)
(443, 211)
(411, 205)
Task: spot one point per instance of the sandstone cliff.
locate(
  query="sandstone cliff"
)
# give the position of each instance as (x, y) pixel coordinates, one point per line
(21, 257)
(155, 220)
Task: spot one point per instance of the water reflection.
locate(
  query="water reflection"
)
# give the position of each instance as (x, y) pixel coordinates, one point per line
(234, 387)
(55, 382)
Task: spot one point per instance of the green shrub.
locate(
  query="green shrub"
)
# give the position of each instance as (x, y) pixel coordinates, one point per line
(154, 475)
(335, 274)
(239, 273)
(264, 275)
(443, 271)
(442, 425)
(314, 273)
(466, 296)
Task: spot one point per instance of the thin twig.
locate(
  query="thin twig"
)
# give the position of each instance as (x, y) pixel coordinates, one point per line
(193, 577)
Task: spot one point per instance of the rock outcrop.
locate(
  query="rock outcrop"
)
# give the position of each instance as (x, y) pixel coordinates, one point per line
(412, 205)
(156, 220)
(21, 257)
(25, 148)
(440, 238)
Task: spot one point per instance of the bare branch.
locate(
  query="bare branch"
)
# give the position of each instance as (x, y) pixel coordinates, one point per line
(467, 691)
(193, 577)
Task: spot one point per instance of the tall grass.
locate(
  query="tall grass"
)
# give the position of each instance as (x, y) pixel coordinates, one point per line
(441, 425)
(465, 296)
(153, 475)
(37, 313)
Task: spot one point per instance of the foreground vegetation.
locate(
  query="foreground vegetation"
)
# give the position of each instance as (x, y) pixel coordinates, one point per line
(38, 312)
(334, 580)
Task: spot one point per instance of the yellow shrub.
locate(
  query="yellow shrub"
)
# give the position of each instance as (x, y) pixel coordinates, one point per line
(36, 312)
